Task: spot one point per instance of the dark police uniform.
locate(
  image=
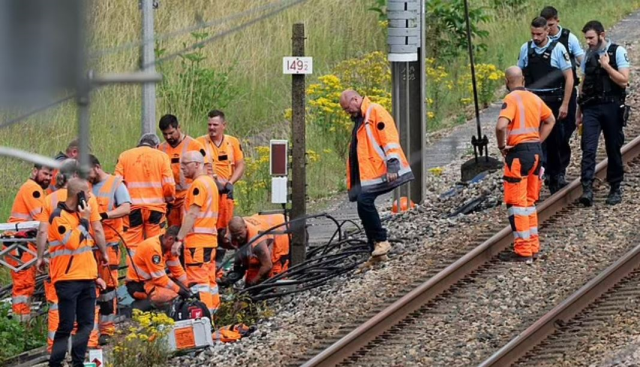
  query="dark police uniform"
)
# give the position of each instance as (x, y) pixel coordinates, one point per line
(602, 105)
(543, 69)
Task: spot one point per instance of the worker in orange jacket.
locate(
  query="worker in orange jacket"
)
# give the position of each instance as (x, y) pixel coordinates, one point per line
(266, 256)
(175, 146)
(198, 231)
(376, 164)
(227, 163)
(147, 174)
(27, 206)
(525, 122)
(73, 271)
(147, 278)
(72, 152)
(114, 204)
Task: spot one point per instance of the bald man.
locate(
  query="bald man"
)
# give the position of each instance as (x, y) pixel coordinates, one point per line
(525, 122)
(198, 230)
(376, 164)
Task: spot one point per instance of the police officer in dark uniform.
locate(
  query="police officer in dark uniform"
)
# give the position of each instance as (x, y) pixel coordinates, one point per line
(567, 126)
(601, 108)
(547, 71)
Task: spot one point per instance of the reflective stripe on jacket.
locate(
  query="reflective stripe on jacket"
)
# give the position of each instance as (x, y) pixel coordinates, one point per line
(150, 264)
(28, 203)
(107, 202)
(525, 111)
(378, 151)
(188, 144)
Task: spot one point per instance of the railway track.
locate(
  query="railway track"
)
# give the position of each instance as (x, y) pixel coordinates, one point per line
(431, 305)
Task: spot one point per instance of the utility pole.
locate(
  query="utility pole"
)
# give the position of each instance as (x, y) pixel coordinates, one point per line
(299, 172)
(148, 59)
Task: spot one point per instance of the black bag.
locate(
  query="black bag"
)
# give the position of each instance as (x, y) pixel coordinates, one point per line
(186, 309)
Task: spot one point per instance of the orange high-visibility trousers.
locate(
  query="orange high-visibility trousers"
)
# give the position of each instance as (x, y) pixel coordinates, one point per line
(522, 185)
(200, 266)
(225, 211)
(161, 297)
(141, 224)
(107, 299)
(24, 285)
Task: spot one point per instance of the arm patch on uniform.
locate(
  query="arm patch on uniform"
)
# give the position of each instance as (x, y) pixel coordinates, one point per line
(380, 125)
(504, 105)
(36, 194)
(566, 56)
(626, 57)
(196, 191)
(156, 259)
(204, 154)
(61, 229)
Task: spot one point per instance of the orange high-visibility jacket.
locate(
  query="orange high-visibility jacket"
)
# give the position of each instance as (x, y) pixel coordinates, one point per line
(224, 157)
(525, 111)
(60, 196)
(107, 202)
(378, 144)
(70, 247)
(188, 144)
(147, 174)
(204, 194)
(150, 264)
(278, 244)
(28, 203)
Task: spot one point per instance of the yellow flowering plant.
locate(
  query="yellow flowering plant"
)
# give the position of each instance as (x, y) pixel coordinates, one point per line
(144, 343)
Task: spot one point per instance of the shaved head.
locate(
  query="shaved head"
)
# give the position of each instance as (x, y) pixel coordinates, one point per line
(513, 77)
(238, 231)
(351, 102)
(192, 164)
(76, 185)
(193, 156)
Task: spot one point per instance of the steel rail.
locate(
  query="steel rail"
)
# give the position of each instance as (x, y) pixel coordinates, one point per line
(430, 289)
(574, 304)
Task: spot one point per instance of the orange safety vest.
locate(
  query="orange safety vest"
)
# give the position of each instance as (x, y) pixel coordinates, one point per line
(52, 200)
(107, 202)
(150, 263)
(203, 193)
(279, 247)
(70, 247)
(28, 203)
(223, 158)
(147, 174)
(188, 144)
(525, 112)
(378, 142)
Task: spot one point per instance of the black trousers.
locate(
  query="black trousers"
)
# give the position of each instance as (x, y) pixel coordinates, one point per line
(606, 117)
(370, 218)
(76, 302)
(556, 149)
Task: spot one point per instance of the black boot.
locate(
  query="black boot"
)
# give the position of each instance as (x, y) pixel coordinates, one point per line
(553, 185)
(562, 182)
(587, 194)
(615, 195)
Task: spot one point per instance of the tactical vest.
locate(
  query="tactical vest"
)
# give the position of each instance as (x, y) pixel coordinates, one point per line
(539, 74)
(597, 84)
(564, 40)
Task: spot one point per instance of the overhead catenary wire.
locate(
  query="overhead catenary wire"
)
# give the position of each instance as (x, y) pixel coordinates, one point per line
(165, 58)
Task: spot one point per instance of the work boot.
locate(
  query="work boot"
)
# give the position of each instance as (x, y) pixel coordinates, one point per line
(513, 257)
(552, 184)
(381, 248)
(615, 195)
(587, 194)
(562, 182)
(373, 260)
(104, 339)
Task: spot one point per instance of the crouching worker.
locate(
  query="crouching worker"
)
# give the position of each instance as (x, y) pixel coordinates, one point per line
(267, 256)
(147, 278)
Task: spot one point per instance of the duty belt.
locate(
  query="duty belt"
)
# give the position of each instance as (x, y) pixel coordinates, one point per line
(550, 96)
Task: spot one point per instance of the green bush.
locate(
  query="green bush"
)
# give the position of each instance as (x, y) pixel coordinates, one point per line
(19, 337)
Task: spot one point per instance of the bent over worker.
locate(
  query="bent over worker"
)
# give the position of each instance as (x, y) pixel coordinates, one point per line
(114, 204)
(199, 232)
(147, 278)
(147, 174)
(376, 164)
(74, 272)
(175, 146)
(26, 207)
(268, 255)
(525, 122)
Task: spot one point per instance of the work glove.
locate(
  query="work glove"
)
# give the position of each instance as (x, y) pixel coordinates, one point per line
(229, 190)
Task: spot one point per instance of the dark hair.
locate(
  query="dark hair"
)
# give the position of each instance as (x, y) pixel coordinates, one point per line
(39, 166)
(539, 22)
(93, 161)
(75, 143)
(216, 113)
(168, 121)
(172, 231)
(549, 12)
(593, 25)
